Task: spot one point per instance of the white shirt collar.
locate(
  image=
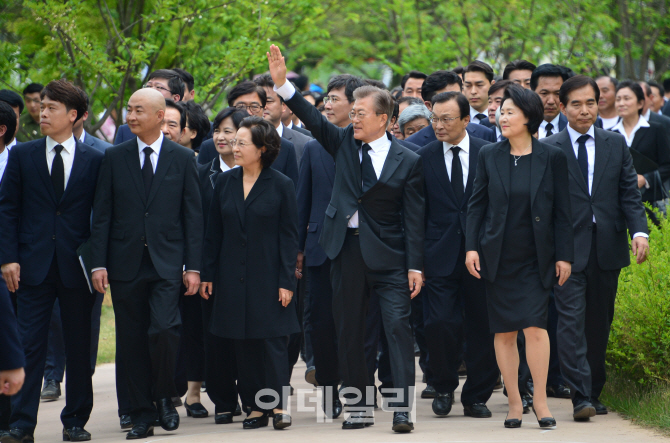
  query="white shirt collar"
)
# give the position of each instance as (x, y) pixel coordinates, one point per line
(464, 145)
(647, 114)
(11, 144)
(474, 113)
(381, 144)
(641, 123)
(554, 123)
(280, 129)
(156, 146)
(224, 167)
(68, 145)
(290, 125)
(574, 135)
(82, 136)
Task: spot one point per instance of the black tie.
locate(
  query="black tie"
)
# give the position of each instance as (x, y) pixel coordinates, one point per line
(367, 171)
(583, 158)
(58, 173)
(549, 128)
(481, 117)
(457, 174)
(147, 171)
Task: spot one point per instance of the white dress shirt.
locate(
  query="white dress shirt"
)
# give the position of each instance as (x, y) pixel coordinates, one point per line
(224, 167)
(499, 135)
(280, 129)
(463, 155)
(67, 154)
(542, 132)
(641, 123)
(82, 136)
(473, 116)
(609, 123)
(4, 155)
(11, 144)
(155, 146)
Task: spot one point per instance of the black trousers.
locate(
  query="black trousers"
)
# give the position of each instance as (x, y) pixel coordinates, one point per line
(376, 347)
(191, 355)
(352, 281)
(220, 365)
(585, 305)
(418, 328)
(147, 337)
(5, 401)
(455, 311)
(262, 364)
(295, 343)
(34, 309)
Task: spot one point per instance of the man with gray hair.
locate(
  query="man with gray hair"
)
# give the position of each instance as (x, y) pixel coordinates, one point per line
(373, 233)
(413, 119)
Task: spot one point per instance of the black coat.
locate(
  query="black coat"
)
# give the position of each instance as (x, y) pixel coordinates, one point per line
(250, 252)
(550, 206)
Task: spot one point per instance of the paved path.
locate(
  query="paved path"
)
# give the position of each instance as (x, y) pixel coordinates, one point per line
(104, 424)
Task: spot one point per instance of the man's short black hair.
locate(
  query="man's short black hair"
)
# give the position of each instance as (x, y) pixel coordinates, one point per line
(549, 70)
(517, 65)
(67, 93)
(265, 81)
(646, 88)
(459, 70)
(237, 115)
(347, 82)
(169, 103)
(439, 80)
(186, 77)
(480, 66)
(7, 119)
(636, 88)
(244, 88)
(497, 86)
(656, 85)
(33, 88)
(410, 100)
(529, 103)
(300, 82)
(12, 99)
(196, 120)
(461, 101)
(577, 82)
(376, 83)
(175, 82)
(411, 74)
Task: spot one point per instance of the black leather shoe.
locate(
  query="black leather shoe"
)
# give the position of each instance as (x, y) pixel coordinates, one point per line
(560, 391)
(512, 423)
(583, 411)
(281, 421)
(125, 422)
(141, 430)
(167, 414)
(401, 422)
(545, 422)
(358, 421)
(442, 404)
(17, 435)
(238, 410)
(256, 422)
(336, 407)
(527, 402)
(196, 410)
(76, 434)
(51, 390)
(477, 410)
(429, 392)
(223, 418)
(176, 401)
(601, 409)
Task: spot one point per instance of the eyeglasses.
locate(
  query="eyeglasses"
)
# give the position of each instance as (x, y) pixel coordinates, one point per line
(156, 86)
(234, 143)
(445, 120)
(360, 115)
(255, 107)
(333, 100)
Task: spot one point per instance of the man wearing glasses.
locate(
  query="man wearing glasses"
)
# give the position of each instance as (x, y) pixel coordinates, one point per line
(29, 123)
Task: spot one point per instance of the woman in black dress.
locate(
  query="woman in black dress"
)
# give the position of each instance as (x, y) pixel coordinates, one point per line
(519, 238)
(251, 242)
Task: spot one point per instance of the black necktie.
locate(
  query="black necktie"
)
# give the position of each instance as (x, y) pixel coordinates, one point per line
(549, 128)
(58, 173)
(147, 171)
(481, 117)
(583, 158)
(457, 174)
(367, 171)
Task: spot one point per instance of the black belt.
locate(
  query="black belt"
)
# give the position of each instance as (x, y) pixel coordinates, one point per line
(352, 231)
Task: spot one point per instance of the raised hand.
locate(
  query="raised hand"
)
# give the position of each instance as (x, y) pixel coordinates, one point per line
(277, 66)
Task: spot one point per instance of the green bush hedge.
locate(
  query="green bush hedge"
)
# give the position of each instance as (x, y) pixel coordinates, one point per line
(640, 338)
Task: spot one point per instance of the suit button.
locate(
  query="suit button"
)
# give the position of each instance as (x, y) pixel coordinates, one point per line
(146, 214)
(348, 217)
(537, 218)
(459, 232)
(58, 213)
(53, 237)
(242, 280)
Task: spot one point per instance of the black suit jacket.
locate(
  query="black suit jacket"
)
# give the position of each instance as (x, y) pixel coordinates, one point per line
(550, 208)
(390, 213)
(298, 139)
(653, 142)
(427, 134)
(169, 222)
(35, 226)
(95, 142)
(250, 251)
(445, 216)
(614, 200)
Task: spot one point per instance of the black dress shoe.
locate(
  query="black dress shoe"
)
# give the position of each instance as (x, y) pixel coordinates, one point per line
(17, 435)
(429, 392)
(281, 421)
(76, 434)
(125, 422)
(442, 404)
(477, 410)
(358, 421)
(583, 411)
(545, 422)
(601, 409)
(512, 423)
(223, 418)
(560, 391)
(256, 422)
(401, 422)
(196, 410)
(238, 410)
(335, 407)
(141, 430)
(51, 390)
(167, 414)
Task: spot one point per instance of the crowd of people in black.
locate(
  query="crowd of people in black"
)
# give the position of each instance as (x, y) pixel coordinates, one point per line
(477, 221)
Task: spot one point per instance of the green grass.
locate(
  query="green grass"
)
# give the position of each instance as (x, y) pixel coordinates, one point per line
(647, 406)
(107, 343)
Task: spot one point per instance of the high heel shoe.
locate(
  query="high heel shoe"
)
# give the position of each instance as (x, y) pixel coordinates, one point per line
(546, 422)
(512, 422)
(256, 422)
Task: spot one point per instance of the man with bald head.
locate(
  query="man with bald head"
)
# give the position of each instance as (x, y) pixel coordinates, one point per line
(147, 239)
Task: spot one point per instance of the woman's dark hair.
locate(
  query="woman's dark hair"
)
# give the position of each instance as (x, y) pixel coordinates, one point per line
(7, 119)
(197, 121)
(577, 82)
(235, 114)
(635, 87)
(263, 134)
(529, 103)
(65, 92)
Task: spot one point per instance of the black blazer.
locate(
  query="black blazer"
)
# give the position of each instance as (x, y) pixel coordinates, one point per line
(169, 222)
(250, 251)
(445, 216)
(390, 213)
(34, 225)
(427, 134)
(11, 351)
(614, 200)
(95, 142)
(653, 142)
(550, 207)
(298, 139)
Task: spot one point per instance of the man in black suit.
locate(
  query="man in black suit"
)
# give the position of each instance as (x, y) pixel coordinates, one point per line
(146, 240)
(496, 93)
(605, 204)
(411, 83)
(15, 101)
(477, 79)
(46, 198)
(454, 301)
(445, 81)
(373, 233)
(8, 125)
(647, 112)
(519, 72)
(546, 82)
